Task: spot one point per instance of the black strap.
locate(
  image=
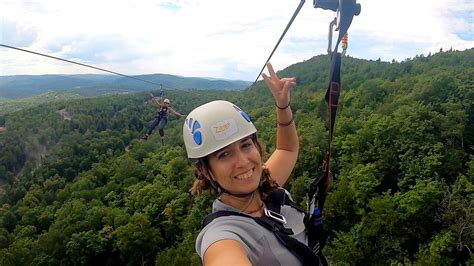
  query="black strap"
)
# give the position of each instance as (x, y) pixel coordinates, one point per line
(300, 250)
(278, 198)
(163, 112)
(274, 202)
(209, 218)
(347, 10)
(320, 185)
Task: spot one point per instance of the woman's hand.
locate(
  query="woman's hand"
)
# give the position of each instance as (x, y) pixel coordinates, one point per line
(280, 88)
(283, 159)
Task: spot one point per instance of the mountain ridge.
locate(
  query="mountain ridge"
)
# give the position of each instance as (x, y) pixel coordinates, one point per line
(24, 86)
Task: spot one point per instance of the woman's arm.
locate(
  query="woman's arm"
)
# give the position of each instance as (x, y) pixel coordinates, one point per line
(226, 252)
(153, 98)
(174, 112)
(283, 159)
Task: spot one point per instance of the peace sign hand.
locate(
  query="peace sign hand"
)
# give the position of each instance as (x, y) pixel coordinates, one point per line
(280, 88)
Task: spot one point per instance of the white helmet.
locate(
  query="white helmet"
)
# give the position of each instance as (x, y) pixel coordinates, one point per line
(214, 125)
(166, 101)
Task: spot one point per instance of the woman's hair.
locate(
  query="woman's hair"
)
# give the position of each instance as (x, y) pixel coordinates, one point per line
(202, 173)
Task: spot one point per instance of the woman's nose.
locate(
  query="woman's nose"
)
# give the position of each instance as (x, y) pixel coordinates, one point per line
(242, 158)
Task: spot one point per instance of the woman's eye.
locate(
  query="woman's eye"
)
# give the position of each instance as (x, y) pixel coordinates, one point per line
(246, 144)
(223, 155)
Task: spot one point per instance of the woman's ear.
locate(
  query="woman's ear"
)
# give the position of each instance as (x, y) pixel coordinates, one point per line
(205, 172)
(202, 172)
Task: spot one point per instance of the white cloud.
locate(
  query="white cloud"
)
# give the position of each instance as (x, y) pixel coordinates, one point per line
(217, 38)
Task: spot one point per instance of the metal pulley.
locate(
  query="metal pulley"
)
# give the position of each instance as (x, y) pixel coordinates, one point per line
(345, 12)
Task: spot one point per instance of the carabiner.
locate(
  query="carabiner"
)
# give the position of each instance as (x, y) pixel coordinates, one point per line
(331, 26)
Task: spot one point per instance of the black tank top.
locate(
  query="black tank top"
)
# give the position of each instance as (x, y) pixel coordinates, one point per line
(163, 111)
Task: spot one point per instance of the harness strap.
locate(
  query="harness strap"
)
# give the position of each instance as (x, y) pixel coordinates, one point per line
(346, 9)
(320, 185)
(300, 250)
(274, 201)
(278, 198)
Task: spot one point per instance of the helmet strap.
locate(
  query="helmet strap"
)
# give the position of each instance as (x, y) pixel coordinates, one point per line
(216, 186)
(261, 176)
(262, 180)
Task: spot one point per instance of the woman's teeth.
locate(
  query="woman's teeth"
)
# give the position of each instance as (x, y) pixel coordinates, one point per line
(245, 175)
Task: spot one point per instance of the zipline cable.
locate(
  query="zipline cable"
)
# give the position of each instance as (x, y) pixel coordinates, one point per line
(77, 63)
(281, 37)
(298, 8)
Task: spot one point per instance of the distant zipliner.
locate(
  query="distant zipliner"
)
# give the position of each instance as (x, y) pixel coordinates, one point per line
(161, 118)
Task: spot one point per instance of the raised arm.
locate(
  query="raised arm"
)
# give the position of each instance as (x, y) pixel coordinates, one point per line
(156, 101)
(283, 159)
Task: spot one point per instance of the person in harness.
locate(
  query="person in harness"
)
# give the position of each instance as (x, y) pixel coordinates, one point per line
(251, 204)
(161, 119)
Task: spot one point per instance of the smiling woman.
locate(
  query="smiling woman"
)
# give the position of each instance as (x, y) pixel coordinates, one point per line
(250, 200)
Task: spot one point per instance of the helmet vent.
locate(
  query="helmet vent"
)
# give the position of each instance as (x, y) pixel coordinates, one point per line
(197, 136)
(244, 115)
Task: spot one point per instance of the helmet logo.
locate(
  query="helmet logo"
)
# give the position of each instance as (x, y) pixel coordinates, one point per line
(224, 129)
(194, 127)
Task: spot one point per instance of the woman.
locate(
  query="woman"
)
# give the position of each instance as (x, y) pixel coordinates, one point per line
(161, 119)
(223, 139)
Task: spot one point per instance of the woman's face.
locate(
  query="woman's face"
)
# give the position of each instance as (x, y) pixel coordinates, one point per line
(237, 167)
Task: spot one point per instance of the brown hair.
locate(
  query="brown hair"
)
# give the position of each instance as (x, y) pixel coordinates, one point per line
(202, 173)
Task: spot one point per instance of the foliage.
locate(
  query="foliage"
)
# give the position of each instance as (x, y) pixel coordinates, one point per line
(78, 186)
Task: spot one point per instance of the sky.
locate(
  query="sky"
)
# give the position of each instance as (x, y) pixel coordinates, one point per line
(216, 38)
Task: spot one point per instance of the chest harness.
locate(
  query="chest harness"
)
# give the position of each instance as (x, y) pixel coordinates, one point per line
(163, 112)
(275, 222)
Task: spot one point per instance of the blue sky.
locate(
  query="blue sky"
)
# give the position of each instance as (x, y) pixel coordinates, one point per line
(216, 38)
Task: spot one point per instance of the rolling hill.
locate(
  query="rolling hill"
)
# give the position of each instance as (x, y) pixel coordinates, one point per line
(24, 86)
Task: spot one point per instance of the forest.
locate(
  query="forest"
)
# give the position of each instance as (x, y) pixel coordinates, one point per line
(79, 187)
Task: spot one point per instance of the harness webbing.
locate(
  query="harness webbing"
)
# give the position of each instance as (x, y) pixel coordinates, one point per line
(163, 112)
(274, 202)
(318, 190)
(320, 186)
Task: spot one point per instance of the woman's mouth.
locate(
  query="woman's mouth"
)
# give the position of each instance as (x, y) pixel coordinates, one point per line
(245, 175)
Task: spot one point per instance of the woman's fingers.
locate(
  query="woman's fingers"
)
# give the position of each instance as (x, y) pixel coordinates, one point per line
(267, 80)
(273, 75)
(288, 79)
(290, 84)
(277, 85)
